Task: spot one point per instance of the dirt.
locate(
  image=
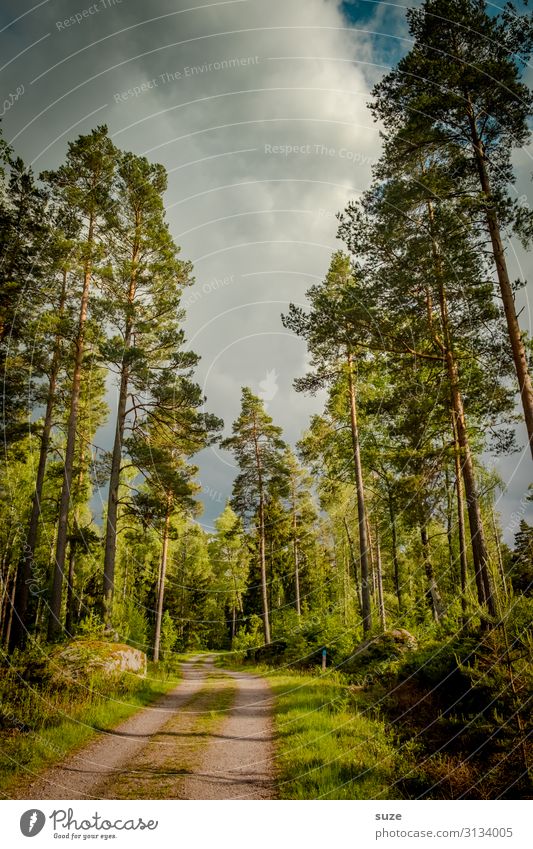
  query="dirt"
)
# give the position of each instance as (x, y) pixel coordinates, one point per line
(238, 760)
(210, 738)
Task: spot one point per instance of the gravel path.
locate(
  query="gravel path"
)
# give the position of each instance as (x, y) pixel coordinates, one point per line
(238, 761)
(204, 740)
(79, 775)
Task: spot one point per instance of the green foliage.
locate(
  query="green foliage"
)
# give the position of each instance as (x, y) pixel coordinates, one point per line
(248, 637)
(168, 635)
(92, 625)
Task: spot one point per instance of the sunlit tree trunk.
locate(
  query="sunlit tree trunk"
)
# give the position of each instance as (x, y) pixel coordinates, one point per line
(361, 515)
(161, 585)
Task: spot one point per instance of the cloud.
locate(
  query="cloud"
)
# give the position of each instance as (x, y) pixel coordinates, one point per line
(259, 112)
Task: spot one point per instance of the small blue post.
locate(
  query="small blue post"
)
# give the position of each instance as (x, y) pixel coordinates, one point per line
(324, 655)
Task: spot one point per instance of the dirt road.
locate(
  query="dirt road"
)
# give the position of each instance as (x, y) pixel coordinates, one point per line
(210, 738)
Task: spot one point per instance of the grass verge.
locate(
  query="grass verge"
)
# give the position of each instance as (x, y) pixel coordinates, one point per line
(43, 725)
(328, 746)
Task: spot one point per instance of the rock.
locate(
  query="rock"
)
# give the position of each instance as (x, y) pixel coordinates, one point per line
(384, 646)
(81, 656)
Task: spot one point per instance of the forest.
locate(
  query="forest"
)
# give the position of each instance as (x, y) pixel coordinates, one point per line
(374, 544)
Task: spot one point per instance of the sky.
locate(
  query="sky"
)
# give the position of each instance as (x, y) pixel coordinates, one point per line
(258, 110)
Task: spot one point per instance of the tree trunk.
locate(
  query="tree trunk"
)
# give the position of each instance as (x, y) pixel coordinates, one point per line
(54, 622)
(379, 575)
(25, 571)
(363, 543)
(296, 562)
(460, 523)
(395, 563)
(433, 590)
(262, 541)
(449, 516)
(112, 499)
(477, 533)
(161, 587)
(116, 460)
(499, 553)
(346, 583)
(373, 588)
(262, 562)
(69, 620)
(9, 622)
(513, 328)
(354, 565)
(8, 601)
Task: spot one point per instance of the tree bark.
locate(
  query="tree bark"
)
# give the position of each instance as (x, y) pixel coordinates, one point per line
(354, 565)
(161, 587)
(69, 619)
(460, 522)
(477, 532)
(499, 553)
(296, 556)
(395, 563)
(54, 622)
(262, 541)
(374, 585)
(361, 515)
(262, 562)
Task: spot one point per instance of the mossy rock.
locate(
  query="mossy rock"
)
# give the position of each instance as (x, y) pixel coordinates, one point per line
(88, 656)
(386, 646)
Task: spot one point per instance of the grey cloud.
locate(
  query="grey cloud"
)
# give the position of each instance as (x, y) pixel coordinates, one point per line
(239, 206)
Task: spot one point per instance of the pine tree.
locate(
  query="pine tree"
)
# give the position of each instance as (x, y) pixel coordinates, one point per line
(171, 431)
(459, 92)
(328, 331)
(142, 303)
(302, 517)
(82, 185)
(430, 300)
(49, 331)
(522, 559)
(258, 448)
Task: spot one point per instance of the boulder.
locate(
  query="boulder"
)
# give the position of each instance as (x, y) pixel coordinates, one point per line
(82, 656)
(386, 646)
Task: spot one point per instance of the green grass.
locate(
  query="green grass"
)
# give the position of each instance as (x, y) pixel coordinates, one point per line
(327, 747)
(46, 725)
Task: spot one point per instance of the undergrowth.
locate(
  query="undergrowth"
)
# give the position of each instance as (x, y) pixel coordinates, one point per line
(46, 713)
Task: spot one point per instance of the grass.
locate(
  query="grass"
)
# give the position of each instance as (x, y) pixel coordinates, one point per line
(46, 723)
(327, 747)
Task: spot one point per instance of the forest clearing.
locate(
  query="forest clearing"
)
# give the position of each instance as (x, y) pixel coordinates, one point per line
(353, 620)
